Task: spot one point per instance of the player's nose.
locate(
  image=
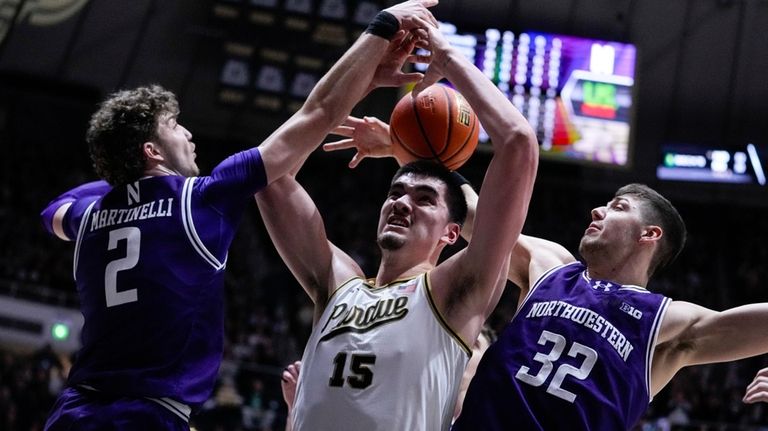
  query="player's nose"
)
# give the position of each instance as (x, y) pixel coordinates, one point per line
(402, 205)
(598, 213)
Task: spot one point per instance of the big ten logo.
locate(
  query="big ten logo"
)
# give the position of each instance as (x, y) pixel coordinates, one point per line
(632, 311)
(464, 116)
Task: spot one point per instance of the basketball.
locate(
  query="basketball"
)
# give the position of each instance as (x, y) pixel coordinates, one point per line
(437, 124)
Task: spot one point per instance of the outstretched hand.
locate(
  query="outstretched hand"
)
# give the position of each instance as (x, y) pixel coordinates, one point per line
(368, 135)
(757, 391)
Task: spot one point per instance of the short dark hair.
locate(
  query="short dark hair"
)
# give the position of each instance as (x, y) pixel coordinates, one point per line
(454, 198)
(659, 210)
(123, 123)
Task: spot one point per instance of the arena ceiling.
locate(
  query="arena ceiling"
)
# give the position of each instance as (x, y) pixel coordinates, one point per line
(700, 73)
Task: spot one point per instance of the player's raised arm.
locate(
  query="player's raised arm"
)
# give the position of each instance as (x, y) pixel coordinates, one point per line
(291, 217)
(468, 280)
(530, 257)
(691, 334)
(342, 87)
(297, 230)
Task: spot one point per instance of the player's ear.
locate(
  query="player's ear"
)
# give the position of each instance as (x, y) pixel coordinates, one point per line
(452, 233)
(152, 151)
(651, 233)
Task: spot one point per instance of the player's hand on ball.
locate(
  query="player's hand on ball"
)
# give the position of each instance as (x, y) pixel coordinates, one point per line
(368, 135)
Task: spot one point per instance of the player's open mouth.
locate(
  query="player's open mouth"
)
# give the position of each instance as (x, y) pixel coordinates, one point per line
(397, 221)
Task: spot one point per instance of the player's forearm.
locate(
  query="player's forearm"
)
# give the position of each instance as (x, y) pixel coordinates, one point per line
(497, 114)
(51, 215)
(732, 334)
(354, 72)
(327, 106)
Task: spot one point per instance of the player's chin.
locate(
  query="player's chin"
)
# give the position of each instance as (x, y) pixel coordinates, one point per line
(390, 241)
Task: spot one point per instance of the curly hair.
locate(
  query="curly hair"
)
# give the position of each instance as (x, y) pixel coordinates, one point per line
(123, 123)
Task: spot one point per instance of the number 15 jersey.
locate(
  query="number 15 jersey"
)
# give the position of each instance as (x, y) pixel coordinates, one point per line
(576, 356)
(380, 358)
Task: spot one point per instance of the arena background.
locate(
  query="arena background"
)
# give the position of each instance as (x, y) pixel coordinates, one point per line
(700, 81)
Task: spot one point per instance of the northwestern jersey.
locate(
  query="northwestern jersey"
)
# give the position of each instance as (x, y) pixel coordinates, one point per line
(149, 267)
(576, 356)
(380, 359)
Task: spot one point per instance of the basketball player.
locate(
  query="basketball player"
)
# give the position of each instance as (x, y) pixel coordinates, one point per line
(151, 246)
(590, 346)
(290, 376)
(387, 353)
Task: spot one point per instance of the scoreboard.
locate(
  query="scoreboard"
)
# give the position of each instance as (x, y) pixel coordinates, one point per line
(682, 162)
(577, 93)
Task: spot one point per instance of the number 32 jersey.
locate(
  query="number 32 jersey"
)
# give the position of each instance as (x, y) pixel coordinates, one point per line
(576, 356)
(380, 359)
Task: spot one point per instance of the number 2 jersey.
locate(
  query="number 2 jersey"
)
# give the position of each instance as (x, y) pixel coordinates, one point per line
(576, 356)
(380, 358)
(149, 268)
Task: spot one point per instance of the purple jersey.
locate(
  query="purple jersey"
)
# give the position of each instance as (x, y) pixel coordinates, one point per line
(576, 356)
(149, 267)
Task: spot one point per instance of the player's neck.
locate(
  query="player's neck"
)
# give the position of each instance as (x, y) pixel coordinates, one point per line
(622, 273)
(159, 170)
(394, 266)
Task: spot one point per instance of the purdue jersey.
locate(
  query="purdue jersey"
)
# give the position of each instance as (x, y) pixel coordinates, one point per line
(380, 359)
(576, 356)
(149, 267)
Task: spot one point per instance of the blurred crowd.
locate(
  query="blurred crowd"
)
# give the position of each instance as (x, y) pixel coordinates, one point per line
(269, 317)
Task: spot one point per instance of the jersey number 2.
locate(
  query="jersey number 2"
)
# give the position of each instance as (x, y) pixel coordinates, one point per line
(132, 235)
(360, 364)
(547, 365)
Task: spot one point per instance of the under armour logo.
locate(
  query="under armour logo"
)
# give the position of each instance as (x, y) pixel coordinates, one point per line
(599, 285)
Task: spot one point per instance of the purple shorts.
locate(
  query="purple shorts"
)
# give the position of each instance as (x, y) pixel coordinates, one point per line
(81, 409)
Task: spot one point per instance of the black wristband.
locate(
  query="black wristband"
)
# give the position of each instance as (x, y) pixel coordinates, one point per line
(384, 24)
(460, 179)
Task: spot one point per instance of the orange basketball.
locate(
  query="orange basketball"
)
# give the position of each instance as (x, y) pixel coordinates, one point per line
(437, 124)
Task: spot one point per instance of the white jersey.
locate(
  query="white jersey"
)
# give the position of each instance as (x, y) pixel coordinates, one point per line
(380, 359)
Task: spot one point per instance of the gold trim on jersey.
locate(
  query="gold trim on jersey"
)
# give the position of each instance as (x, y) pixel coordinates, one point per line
(371, 282)
(441, 319)
(341, 286)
